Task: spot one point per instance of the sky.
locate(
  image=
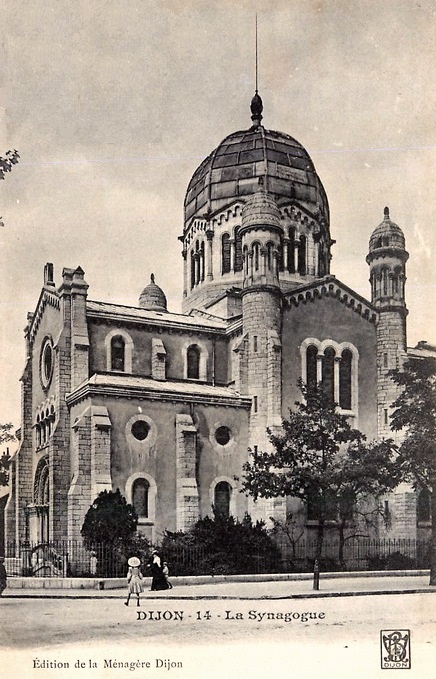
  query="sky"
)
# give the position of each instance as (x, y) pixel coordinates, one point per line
(113, 105)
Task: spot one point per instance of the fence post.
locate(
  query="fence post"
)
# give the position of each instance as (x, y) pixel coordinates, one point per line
(316, 574)
(26, 565)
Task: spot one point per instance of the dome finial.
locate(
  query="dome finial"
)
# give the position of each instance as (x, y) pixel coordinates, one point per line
(256, 107)
(386, 213)
(152, 277)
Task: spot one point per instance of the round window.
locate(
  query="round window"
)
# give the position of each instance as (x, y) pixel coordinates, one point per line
(47, 363)
(223, 435)
(140, 430)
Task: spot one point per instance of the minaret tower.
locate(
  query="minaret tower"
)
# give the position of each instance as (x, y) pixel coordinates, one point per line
(387, 262)
(261, 313)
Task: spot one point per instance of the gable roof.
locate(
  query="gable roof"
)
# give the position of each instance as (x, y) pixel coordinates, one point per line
(329, 286)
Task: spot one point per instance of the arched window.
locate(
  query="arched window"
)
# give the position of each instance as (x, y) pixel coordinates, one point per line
(291, 248)
(311, 366)
(221, 503)
(302, 256)
(140, 490)
(423, 508)
(38, 431)
(335, 367)
(192, 268)
(385, 281)
(281, 255)
(117, 353)
(45, 487)
(345, 379)
(238, 251)
(202, 262)
(193, 360)
(245, 256)
(328, 368)
(225, 253)
(270, 258)
(255, 256)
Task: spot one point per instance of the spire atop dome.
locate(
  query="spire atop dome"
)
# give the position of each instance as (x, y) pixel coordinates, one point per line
(386, 212)
(256, 105)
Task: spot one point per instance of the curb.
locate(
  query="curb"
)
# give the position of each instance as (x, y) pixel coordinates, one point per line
(19, 582)
(213, 597)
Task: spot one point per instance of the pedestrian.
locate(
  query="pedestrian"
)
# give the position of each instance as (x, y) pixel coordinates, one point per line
(3, 575)
(93, 563)
(158, 580)
(166, 573)
(134, 579)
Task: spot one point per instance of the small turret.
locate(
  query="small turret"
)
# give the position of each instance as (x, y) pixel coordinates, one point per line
(387, 258)
(153, 297)
(387, 262)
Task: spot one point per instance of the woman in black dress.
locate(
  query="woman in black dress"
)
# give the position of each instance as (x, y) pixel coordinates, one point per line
(159, 580)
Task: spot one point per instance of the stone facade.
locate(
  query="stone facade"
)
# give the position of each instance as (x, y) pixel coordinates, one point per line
(166, 406)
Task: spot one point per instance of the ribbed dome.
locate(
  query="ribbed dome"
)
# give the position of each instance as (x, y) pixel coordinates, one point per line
(153, 297)
(231, 172)
(261, 208)
(387, 235)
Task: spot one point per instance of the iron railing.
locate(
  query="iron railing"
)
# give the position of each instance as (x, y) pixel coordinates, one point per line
(71, 559)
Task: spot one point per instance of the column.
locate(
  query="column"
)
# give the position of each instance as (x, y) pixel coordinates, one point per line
(337, 362)
(209, 236)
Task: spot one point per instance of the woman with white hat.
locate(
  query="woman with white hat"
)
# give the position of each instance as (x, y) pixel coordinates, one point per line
(134, 579)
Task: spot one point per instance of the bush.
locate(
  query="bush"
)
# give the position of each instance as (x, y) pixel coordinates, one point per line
(391, 562)
(327, 564)
(109, 530)
(221, 546)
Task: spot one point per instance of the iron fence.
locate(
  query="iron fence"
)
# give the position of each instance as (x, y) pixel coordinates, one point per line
(71, 559)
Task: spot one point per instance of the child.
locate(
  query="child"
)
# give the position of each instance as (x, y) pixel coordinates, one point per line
(166, 573)
(134, 579)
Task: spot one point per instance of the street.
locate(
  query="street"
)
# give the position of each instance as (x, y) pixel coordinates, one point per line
(101, 637)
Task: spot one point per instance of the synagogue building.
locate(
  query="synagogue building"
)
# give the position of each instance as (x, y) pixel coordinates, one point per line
(166, 406)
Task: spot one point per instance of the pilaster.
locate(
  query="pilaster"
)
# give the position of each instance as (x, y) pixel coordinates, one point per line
(186, 483)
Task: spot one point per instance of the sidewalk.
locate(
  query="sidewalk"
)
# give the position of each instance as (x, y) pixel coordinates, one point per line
(331, 585)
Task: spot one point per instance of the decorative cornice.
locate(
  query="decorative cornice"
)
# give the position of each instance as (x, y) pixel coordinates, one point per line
(393, 251)
(331, 287)
(97, 386)
(47, 297)
(197, 226)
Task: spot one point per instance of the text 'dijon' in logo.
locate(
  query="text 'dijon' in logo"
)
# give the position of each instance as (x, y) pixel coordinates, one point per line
(395, 649)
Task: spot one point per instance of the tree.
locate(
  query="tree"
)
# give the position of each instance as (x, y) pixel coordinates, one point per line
(415, 413)
(6, 436)
(319, 458)
(109, 531)
(109, 520)
(6, 163)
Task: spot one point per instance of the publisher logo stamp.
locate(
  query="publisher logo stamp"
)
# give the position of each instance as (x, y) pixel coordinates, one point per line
(395, 649)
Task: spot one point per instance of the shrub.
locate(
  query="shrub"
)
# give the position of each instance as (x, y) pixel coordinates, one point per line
(109, 531)
(391, 562)
(221, 546)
